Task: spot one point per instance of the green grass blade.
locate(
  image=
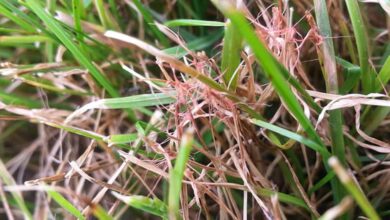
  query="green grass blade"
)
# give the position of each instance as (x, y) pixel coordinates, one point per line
(383, 76)
(45, 85)
(375, 117)
(121, 138)
(11, 30)
(294, 136)
(328, 177)
(75, 130)
(19, 21)
(328, 59)
(136, 101)
(13, 99)
(231, 56)
(102, 13)
(193, 22)
(362, 44)
(352, 74)
(288, 199)
(197, 44)
(154, 206)
(65, 204)
(177, 173)
(77, 8)
(353, 188)
(65, 38)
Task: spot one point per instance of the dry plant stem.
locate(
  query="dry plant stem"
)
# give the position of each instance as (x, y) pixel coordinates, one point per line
(338, 210)
(300, 187)
(102, 192)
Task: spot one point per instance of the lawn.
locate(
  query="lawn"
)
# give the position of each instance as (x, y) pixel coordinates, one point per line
(194, 109)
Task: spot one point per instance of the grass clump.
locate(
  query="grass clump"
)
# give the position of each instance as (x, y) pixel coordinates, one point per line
(194, 109)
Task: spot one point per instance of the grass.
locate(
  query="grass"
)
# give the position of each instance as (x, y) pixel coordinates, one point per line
(177, 173)
(231, 56)
(328, 60)
(362, 44)
(194, 109)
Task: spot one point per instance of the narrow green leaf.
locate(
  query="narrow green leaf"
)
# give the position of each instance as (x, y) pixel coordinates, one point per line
(122, 138)
(177, 173)
(328, 59)
(45, 85)
(328, 177)
(136, 101)
(11, 30)
(75, 130)
(362, 44)
(102, 13)
(352, 74)
(154, 206)
(65, 204)
(23, 24)
(291, 135)
(286, 198)
(375, 117)
(231, 56)
(198, 44)
(77, 8)
(193, 22)
(13, 99)
(383, 76)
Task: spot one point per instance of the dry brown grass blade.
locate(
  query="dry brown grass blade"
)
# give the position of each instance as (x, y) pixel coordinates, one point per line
(62, 176)
(337, 211)
(354, 100)
(313, 209)
(238, 165)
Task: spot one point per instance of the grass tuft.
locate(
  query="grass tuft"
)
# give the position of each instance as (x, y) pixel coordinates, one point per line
(199, 109)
